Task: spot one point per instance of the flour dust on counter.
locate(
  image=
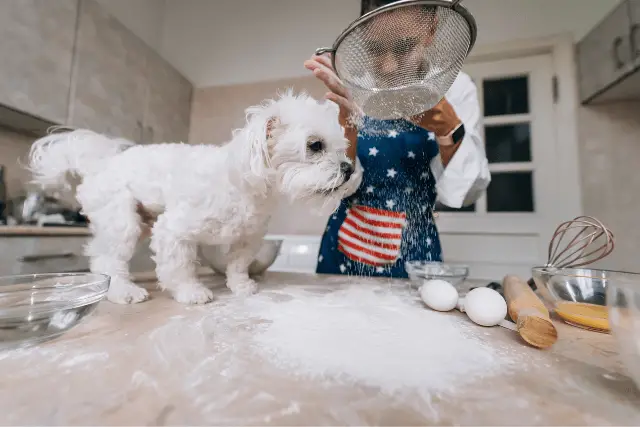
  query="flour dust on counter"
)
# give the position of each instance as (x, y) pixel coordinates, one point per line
(376, 338)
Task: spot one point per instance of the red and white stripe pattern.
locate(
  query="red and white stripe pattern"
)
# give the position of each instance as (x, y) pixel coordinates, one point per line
(371, 236)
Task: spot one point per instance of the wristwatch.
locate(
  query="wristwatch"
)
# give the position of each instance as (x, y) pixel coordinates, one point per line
(452, 138)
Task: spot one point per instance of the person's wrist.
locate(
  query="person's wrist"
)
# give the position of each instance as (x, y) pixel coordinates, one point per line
(447, 139)
(346, 119)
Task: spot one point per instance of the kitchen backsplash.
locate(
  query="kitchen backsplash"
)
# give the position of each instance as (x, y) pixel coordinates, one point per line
(14, 148)
(14, 152)
(609, 158)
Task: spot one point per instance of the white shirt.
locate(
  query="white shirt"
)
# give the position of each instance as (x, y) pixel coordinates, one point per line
(467, 175)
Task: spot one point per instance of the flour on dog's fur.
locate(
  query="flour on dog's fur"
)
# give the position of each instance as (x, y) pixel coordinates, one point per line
(377, 339)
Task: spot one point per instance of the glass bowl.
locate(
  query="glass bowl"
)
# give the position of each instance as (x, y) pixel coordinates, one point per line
(421, 271)
(39, 307)
(577, 295)
(623, 301)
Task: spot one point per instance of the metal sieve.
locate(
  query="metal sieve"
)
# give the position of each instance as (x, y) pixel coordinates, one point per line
(400, 59)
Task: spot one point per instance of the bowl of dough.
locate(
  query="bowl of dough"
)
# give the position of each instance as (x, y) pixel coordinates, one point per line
(217, 256)
(421, 272)
(577, 295)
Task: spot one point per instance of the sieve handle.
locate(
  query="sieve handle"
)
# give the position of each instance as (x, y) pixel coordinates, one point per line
(323, 50)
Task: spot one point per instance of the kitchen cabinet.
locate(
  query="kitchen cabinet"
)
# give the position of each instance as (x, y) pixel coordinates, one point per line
(37, 38)
(122, 87)
(42, 254)
(168, 104)
(108, 80)
(634, 12)
(609, 57)
(51, 253)
(70, 62)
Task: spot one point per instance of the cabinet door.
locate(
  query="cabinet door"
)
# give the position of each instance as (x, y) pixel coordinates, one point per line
(108, 87)
(634, 6)
(36, 47)
(604, 55)
(168, 108)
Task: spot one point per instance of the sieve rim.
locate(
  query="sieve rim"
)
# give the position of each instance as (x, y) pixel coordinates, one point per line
(449, 4)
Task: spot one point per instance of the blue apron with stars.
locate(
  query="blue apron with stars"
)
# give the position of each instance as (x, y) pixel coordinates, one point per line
(388, 220)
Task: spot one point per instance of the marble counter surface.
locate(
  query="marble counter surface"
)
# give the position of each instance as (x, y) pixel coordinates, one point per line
(162, 363)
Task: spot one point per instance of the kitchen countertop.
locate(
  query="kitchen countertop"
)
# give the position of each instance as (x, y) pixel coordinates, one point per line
(160, 362)
(32, 230)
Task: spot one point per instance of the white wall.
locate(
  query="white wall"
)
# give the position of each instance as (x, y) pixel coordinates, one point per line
(220, 42)
(238, 41)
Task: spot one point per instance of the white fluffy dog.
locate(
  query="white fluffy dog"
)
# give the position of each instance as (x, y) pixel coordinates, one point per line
(197, 193)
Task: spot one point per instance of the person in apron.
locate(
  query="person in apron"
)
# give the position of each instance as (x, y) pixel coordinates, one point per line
(402, 167)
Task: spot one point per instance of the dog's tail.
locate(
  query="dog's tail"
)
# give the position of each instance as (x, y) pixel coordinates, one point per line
(60, 156)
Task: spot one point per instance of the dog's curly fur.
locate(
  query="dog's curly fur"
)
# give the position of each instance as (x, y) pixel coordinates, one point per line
(196, 193)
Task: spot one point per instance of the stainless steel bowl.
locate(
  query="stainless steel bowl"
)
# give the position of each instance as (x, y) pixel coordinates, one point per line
(421, 271)
(39, 307)
(216, 256)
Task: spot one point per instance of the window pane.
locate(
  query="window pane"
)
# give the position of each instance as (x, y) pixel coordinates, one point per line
(510, 192)
(508, 143)
(442, 208)
(506, 96)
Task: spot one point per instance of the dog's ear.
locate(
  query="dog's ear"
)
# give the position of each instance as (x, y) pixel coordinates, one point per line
(254, 154)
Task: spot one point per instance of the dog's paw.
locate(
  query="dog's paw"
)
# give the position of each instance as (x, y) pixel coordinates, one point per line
(242, 287)
(193, 293)
(126, 293)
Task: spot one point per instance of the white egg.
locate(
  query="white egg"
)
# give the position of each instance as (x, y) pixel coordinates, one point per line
(485, 306)
(439, 295)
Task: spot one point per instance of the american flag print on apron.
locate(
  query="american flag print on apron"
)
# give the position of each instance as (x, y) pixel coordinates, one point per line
(371, 236)
(388, 220)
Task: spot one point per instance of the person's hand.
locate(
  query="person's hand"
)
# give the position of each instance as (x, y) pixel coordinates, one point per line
(441, 119)
(322, 68)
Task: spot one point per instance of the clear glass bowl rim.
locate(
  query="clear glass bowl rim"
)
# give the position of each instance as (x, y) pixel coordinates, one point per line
(566, 271)
(31, 284)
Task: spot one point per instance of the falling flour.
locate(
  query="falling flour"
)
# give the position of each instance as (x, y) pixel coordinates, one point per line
(375, 338)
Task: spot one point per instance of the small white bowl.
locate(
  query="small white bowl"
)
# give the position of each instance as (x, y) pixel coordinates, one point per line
(421, 271)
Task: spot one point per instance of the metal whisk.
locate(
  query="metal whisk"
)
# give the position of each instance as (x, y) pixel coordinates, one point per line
(590, 241)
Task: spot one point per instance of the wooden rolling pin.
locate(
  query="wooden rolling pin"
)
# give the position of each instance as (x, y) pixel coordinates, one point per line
(529, 313)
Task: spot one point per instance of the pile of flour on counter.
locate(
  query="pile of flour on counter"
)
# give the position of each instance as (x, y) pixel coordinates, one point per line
(375, 338)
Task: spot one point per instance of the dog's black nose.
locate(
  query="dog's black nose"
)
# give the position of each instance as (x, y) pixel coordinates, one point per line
(347, 170)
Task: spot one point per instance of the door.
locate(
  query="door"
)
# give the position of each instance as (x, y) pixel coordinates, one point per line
(507, 229)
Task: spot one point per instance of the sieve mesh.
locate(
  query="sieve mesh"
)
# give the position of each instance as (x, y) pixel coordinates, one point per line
(401, 61)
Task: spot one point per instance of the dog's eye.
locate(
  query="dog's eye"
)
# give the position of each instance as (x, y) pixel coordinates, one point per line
(316, 146)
